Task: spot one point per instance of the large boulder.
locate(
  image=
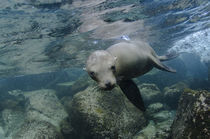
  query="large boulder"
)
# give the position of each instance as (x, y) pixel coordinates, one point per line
(172, 94)
(150, 93)
(192, 118)
(99, 114)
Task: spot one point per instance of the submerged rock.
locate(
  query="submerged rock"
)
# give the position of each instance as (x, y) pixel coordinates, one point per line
(192, 118)
(172, 94)
(11, 120)
(100, 114)
(162, 116)
(156, 129)
(147, 132)
(150, 93)
(39, 118)
(38, 130)
(10, 101)
(163, 129)
(44, 105)
(155, 107)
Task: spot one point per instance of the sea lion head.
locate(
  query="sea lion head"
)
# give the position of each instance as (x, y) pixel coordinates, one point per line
(101, 68)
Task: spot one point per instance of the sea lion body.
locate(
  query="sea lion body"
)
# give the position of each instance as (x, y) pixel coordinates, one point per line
(121, 62)
(133, 59)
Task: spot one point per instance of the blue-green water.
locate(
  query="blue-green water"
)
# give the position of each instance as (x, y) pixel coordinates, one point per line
(45, 44)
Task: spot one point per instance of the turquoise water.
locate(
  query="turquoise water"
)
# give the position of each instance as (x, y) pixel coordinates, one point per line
(45, 44)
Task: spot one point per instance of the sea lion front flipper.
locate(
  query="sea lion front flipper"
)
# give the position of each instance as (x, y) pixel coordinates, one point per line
(132, 92)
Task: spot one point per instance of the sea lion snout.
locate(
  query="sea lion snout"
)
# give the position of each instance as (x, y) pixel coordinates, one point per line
(107, 85)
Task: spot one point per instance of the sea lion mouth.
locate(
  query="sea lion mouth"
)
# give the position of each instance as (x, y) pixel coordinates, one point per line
(108, 88)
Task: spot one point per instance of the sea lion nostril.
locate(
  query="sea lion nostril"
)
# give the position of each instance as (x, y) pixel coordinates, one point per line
(108, 84)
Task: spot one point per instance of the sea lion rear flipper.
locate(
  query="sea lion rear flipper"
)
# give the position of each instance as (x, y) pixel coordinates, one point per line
(132, 92)
(168, 56)
(161, 66)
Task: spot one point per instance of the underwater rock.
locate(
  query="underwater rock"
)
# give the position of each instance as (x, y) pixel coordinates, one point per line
(172, 94)
(150, 93)
(154, 108)
(148, 132)
(35, 129)
(40, 117)
(11, 120)
(44, 105)
(156, 130)
(100, 114)
(162, 116)
(163, 128)
(8, 100)
(192, 117)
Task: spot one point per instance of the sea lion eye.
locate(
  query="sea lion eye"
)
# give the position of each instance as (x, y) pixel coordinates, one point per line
(92, 74)
(113, 68)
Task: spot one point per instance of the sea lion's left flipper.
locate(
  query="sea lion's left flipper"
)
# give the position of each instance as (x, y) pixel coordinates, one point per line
(132, 92)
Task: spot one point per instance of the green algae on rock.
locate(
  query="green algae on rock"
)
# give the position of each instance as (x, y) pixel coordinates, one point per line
(100, 114)
(192, 118)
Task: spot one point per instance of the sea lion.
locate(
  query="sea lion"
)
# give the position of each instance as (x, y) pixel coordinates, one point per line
(121, 62)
